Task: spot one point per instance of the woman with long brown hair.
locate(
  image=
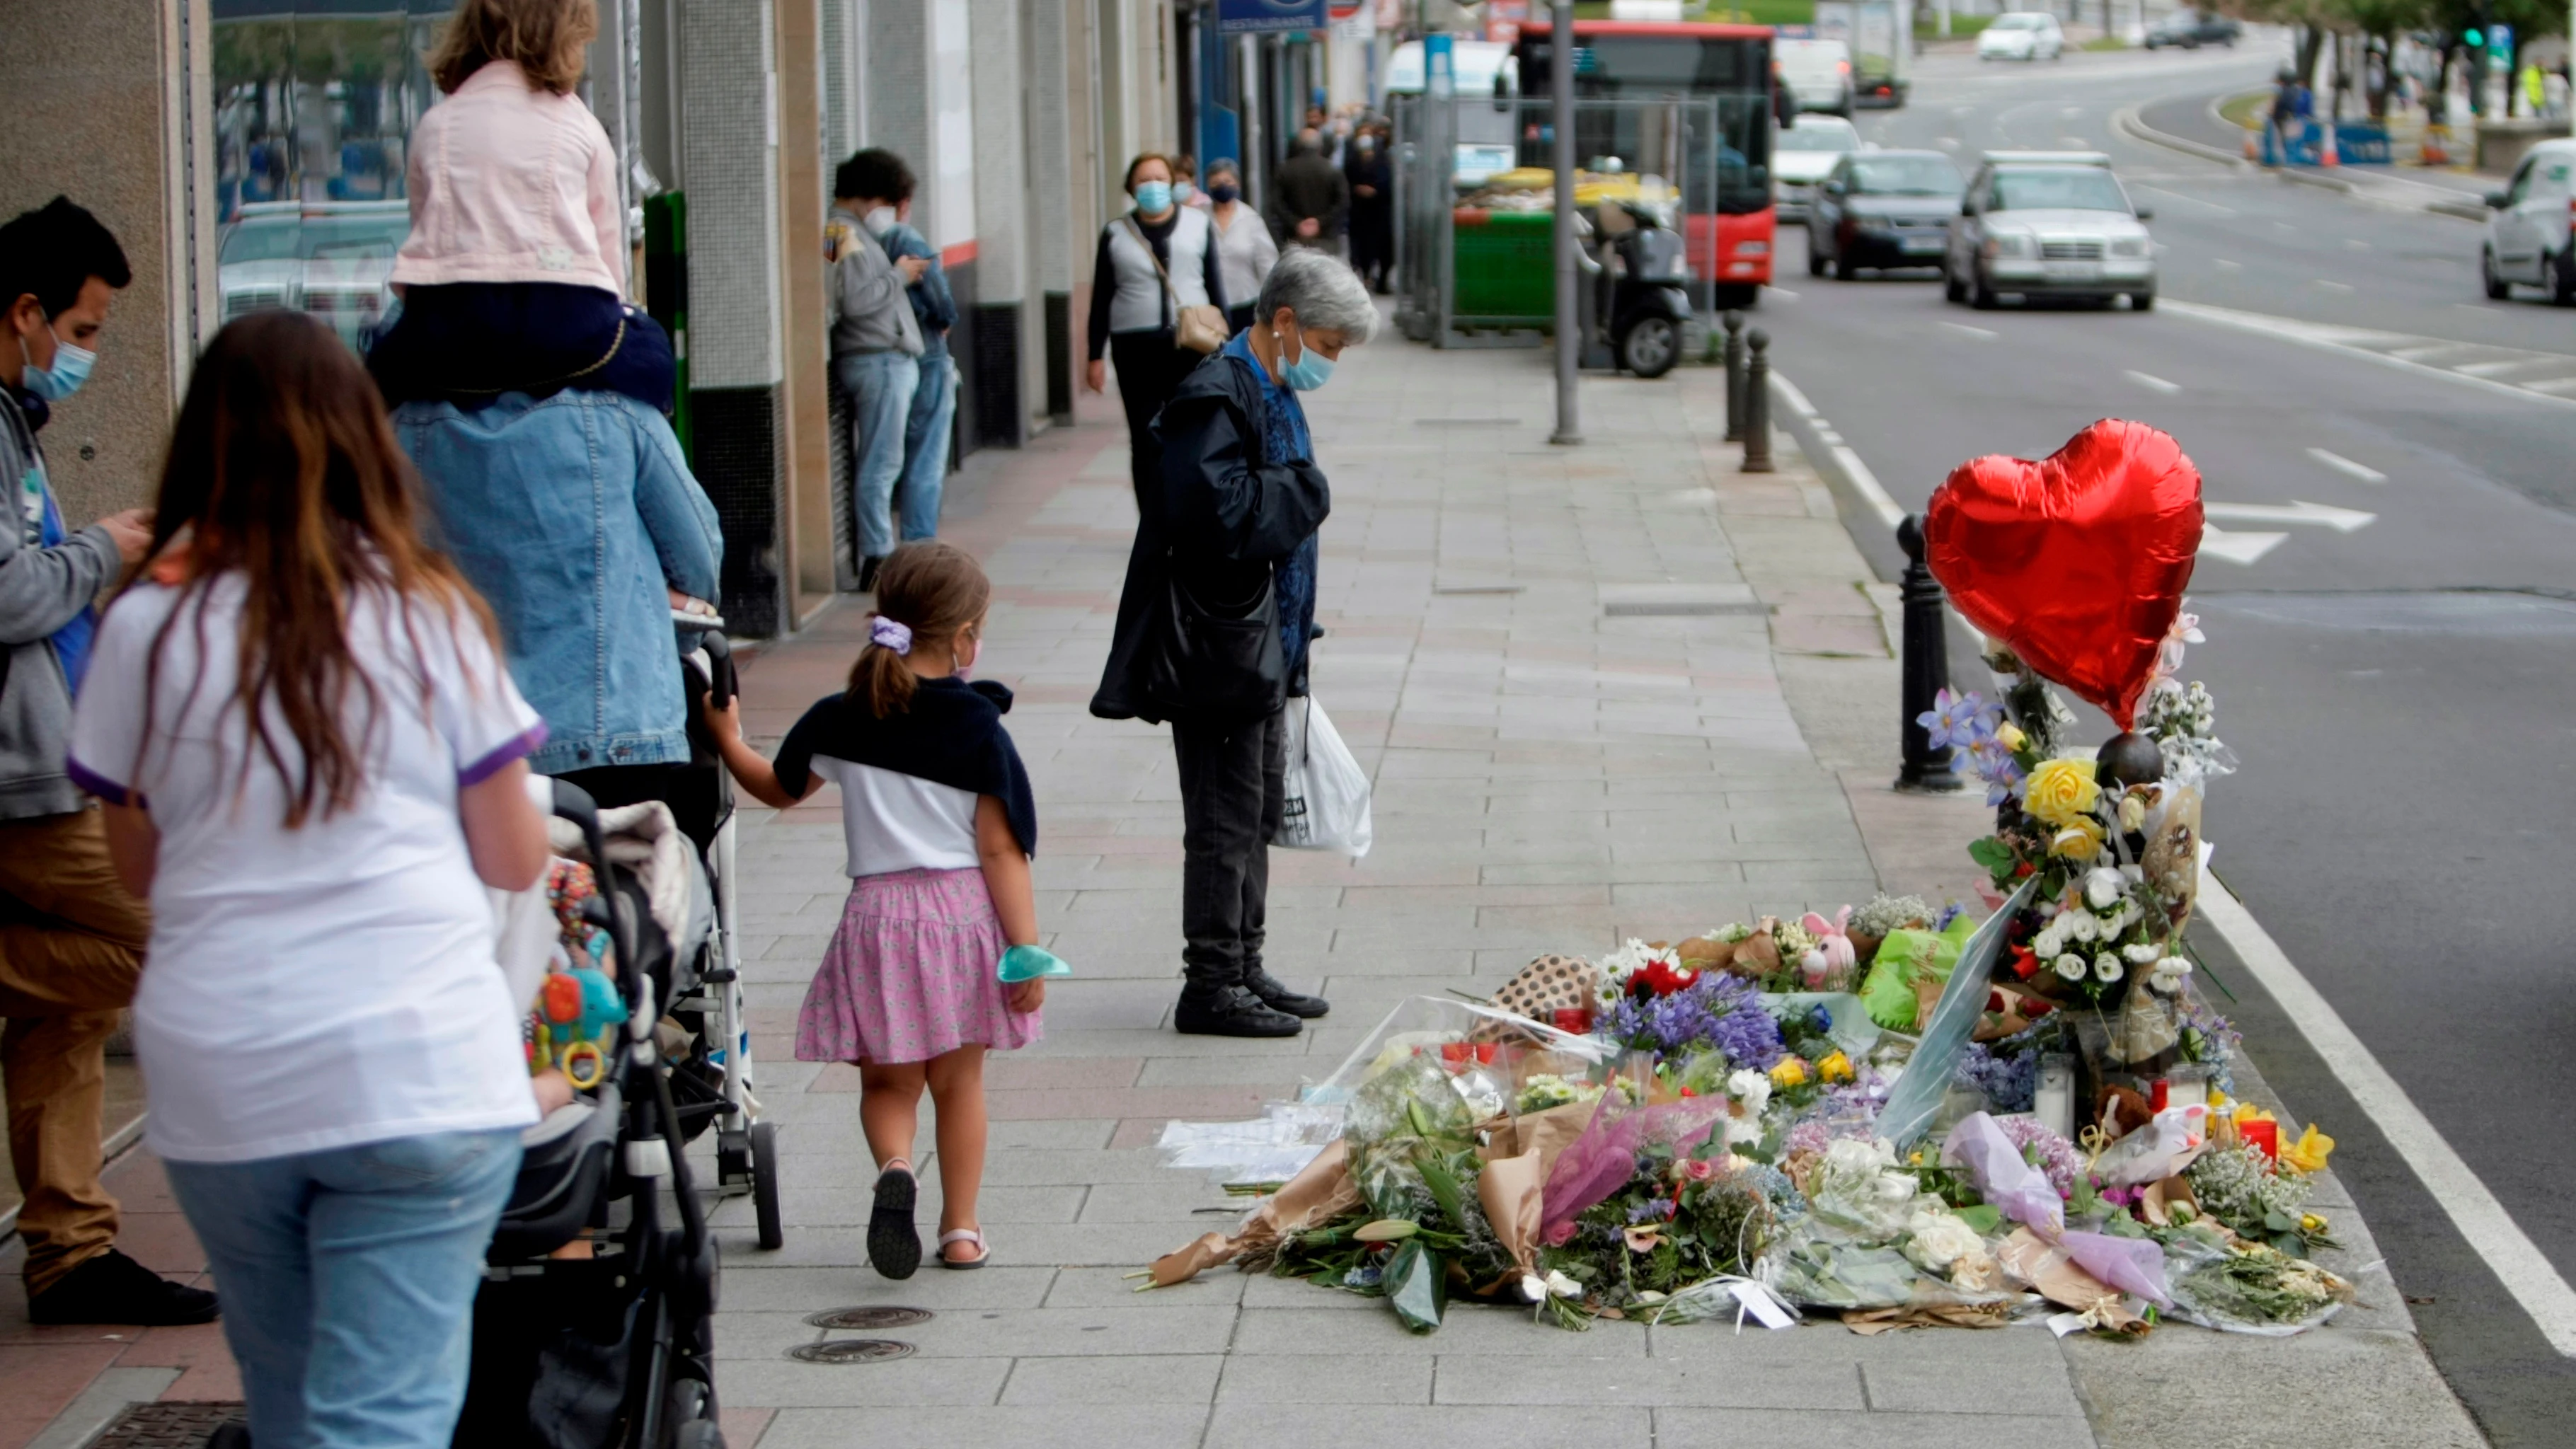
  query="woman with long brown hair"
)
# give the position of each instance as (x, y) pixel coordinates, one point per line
(313, 763)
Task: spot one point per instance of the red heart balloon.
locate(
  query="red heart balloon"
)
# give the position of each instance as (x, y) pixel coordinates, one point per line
(2077, 561)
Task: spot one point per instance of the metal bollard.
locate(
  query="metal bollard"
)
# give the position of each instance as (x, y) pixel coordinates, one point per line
(1734, 377)
(1926, 667)
(1757, 403)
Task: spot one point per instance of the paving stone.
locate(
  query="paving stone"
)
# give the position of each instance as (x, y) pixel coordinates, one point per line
(1113, 1383)
(1311, 1380)
(1139, 1426)
(1682, 1428)
(1254, 1425)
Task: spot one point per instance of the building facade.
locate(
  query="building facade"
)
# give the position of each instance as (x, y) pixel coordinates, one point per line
(251, 153)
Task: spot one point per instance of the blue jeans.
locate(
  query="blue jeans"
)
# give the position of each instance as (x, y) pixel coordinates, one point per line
(925, 445)
(348, 1279)
(880, 386)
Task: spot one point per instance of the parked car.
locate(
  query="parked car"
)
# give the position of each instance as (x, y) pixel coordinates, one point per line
(1802, 154)
(1883, 209)
(2529, 236)
(2192, 29)
(329, 258)
(2049, 223)
(2022, 35)
(1819, 73)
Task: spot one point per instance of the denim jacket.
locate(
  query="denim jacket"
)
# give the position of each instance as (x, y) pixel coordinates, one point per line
(576, 574)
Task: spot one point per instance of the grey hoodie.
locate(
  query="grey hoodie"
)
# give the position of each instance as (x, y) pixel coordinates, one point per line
(870, 311)
(41, 590)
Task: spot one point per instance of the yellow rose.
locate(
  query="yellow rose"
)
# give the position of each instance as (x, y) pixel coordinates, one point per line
(2009, 736)
(2062, 792)
(2080, 841)
(1790, 1072)
(1834, 1068)
(2309, 1153)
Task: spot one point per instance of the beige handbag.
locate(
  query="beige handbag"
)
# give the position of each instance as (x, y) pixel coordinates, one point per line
(1201, 328)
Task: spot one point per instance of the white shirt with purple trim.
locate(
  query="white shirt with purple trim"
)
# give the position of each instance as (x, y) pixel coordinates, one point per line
(331, 985)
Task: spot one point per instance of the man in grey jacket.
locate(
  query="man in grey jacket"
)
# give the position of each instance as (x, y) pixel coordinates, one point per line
(71, 938)
(876, 339)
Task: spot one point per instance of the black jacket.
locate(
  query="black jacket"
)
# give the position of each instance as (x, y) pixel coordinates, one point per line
(1308, 186)
(1224, 518)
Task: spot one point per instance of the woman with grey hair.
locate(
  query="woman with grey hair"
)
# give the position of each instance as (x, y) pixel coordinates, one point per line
(1217, 612)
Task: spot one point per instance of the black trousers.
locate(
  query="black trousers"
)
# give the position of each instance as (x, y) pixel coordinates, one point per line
(1150, 369)
(1233, 783)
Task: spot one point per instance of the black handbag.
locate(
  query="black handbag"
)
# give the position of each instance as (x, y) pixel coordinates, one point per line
(1214, 663)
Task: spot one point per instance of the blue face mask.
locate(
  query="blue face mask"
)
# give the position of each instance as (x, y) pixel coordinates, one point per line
(1310, 371)
(1153, 196)
(71, 369)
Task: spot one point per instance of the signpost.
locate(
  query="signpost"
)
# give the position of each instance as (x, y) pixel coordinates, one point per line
(1258, 17)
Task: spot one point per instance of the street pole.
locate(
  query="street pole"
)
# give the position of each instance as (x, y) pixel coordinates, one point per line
(1569, 345)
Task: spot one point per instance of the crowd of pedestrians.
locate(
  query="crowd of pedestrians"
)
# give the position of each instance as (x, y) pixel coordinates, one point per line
(268, 797)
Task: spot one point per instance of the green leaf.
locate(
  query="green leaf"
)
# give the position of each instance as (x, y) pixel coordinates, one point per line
(1984, 1218)
(1416, 1286)
(1991, 853)
(1444, 1186)
(2280, 1222)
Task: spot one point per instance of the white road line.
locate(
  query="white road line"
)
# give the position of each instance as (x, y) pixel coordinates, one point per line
(2151, 381)
(1857, 472)
(2238, 548)
(2334, 286)
(1979, 333)
(2518, 1263)
(2187, 200)
(1790, 394)
(2347, 342)
(2297, 510)
(2231, 266)
(1783, 293)
(2348, 467)
(2356, 243)
(2552, 385)
(2499, 369)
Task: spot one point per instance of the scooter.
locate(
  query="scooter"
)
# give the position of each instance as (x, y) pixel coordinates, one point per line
(1649, 296)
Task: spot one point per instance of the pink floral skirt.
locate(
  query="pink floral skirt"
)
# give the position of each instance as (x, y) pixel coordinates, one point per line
(911, 974)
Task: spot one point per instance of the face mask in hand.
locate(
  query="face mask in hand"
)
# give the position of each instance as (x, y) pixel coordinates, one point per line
(71, 369)
(1310, 371)
(1153, 197)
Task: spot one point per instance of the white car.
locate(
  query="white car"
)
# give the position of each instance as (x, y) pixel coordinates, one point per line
(2049, 224)
(331, 258)
(2021, 35)
(1817, 72)
(1801, 155)
(2529, 236)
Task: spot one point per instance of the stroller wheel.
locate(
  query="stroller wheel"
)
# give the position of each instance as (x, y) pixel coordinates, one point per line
(764, 1183)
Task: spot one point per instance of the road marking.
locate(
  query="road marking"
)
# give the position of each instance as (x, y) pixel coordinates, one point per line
(2188, 200)
(1790, 394)
(2238, 548)
(2491, 1231)
(1946, 143)
(1783, 293)
(2074, 143)
(1855, 472)
(2356, 243)
(2553, 385)
(2357, 342)
(1979, 333)
(2070, 110)
(2297, 510)
(2283, 226)
(2334, 286)
(2231, 266)
(2499, 369)
(2151, 381)
(2344, 465)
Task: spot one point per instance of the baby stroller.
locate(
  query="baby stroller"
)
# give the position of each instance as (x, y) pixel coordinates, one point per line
(614, 1348)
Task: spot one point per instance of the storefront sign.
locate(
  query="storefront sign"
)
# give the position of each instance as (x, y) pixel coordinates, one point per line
(1246, 17)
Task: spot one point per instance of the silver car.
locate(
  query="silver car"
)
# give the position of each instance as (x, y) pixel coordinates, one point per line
(2049, 224)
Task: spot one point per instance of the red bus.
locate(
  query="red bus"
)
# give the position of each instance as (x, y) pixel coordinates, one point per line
(1729, 234)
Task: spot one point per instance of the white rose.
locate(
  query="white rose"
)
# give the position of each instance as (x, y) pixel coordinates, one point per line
(2101, 887)
(2107, 966)
(2071, 966)
(2142, 954)
(1751, 1088)
(1940, 1239)
(2083, 926)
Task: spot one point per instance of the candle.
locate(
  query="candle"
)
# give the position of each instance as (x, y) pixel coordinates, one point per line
(2190, 1084)
(2160, 1094)
(2053, 1101)
(2263, 1134)
(1574, 1020)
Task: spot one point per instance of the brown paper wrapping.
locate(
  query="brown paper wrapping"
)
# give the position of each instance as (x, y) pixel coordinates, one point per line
(2029, 1259)
(2157, 1200)
(1548, 1133)
(1321, 1191)
(1181, 1266)
(1929, 1315)
(1509, 1190)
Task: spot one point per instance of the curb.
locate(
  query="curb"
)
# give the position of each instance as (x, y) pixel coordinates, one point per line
(2128, 122)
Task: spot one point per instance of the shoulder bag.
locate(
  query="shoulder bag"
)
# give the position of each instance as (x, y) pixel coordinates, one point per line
(1201, 328)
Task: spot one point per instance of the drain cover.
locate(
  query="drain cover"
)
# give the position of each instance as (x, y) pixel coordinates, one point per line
(851, 1350)
(875, 1315)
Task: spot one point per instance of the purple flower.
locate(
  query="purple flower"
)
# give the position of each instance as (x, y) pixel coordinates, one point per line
(1959, 721)
(1716, 1010)
(1654, 1209)
(2046, 1151)
(2008, 1082)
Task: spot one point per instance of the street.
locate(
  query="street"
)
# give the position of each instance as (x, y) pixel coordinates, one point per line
(2384, 591)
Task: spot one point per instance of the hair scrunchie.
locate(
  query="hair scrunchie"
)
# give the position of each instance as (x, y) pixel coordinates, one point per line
(892, 635)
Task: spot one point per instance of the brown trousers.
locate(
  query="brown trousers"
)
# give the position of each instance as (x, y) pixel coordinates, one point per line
(71, 946)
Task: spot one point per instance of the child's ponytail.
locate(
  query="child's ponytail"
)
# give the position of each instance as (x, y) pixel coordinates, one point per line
(928, 594)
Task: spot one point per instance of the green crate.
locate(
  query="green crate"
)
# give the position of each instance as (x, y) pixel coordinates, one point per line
(1504, 267)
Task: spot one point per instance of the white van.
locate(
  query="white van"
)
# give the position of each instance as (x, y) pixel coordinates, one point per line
(1817, 72)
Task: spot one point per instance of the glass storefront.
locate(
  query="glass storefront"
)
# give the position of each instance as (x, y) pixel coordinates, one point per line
(313, 102)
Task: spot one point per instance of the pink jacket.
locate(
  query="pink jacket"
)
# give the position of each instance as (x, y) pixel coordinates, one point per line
(510, 184)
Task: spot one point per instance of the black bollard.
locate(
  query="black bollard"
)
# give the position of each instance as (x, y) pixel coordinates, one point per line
(1757, 403)
(1926, 667)
(1734, 377)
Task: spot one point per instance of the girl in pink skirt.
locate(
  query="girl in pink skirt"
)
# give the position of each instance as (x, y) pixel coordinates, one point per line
(941, 825)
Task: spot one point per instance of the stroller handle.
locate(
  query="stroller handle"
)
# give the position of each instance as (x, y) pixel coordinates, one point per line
(720, 679)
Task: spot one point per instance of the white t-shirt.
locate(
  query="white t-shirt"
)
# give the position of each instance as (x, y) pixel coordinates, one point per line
(893, 821)
(335, 984)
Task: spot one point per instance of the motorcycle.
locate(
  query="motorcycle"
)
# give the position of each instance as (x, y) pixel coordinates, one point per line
(1649, 294)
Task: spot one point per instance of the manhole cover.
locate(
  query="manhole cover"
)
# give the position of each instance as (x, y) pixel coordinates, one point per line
(872, 1316)
(176, 1424)
(850, 1350)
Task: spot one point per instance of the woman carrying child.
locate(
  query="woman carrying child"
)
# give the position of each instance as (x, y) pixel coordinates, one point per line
(940, 825)
(313, 763)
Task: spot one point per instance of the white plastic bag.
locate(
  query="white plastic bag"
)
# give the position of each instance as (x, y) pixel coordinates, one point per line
(1328, 793)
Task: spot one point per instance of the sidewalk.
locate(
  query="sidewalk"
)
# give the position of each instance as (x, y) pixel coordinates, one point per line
(1606, 691)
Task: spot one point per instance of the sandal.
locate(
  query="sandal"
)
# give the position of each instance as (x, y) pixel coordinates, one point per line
(963, 1235)
(894, 1245)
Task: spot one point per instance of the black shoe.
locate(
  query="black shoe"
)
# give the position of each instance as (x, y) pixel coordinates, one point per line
(868, 572)
(894, 1244)
(1231, 1011)
(1274, 993)
(113, 1288)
